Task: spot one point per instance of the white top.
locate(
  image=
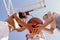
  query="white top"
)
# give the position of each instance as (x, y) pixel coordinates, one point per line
(4, 30)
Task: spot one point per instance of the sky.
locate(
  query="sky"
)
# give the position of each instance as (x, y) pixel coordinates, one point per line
(51, 5)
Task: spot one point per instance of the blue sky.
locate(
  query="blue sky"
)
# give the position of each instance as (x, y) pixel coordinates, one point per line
(51, 5)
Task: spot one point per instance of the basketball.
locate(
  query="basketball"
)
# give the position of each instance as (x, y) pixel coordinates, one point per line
(35, 21)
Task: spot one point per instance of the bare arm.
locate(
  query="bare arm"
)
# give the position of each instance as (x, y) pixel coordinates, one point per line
(53, 27)
(42, 26)
(50, 31)
(20, 29)
(22, 23)
(11, 20)
(52, 24)
(19, 21)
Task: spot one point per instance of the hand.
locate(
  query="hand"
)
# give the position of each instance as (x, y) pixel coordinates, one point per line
(39, 25)
(35, 30)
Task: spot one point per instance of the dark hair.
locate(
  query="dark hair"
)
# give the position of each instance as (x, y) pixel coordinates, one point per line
(21, 15)
(46, 15)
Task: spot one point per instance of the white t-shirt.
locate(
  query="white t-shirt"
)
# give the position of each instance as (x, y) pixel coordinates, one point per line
(4, 30)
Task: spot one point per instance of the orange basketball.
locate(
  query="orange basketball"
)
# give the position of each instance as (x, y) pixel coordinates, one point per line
(35, 21)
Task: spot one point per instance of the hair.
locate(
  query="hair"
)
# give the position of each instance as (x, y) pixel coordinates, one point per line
(21, 15)
(46, 15)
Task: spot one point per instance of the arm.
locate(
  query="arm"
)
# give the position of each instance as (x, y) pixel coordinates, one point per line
(19, 20)
(50, 31)
(22, 23)
(20, 29)
(42, 26)
(52, 24)
(53, 27)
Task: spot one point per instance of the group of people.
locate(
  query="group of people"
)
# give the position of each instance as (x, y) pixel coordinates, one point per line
(34, 25)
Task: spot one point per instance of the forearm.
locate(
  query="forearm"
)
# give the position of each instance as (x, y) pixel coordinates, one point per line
(53, 27)
(19, 21)
(42, 26)
(20, 29)
(23, 23)
(29, 27)
(50, 31)
(47, 22)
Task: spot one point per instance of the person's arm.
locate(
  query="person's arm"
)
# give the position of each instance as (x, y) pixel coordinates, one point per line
(20, 29)
(22, 23)
(19, 20)
(50, 31)
(42, 26)
(52, 24)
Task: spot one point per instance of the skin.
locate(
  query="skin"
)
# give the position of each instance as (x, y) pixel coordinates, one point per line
(11, 23)
(23, 24)
(42, 26)
(20, 21)
(52, 23)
